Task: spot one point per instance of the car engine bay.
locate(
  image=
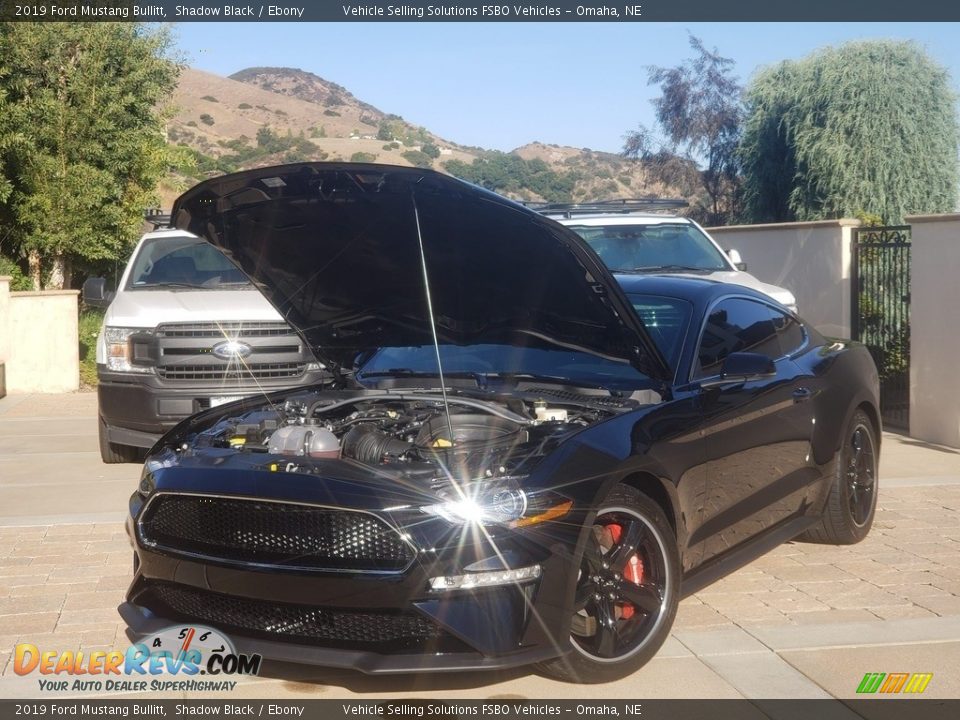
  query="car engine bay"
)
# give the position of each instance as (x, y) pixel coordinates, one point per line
(406, 433)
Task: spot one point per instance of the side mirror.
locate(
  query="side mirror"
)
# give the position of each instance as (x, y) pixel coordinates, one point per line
(742, 367)
(95, 293)
(735, 258)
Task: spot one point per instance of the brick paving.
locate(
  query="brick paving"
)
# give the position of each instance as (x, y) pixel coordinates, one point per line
(60, 584)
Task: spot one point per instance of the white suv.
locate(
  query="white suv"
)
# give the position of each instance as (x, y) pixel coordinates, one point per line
(644, 242)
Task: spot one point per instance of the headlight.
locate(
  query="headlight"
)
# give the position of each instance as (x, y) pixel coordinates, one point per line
(120, 354)
(147, 481)
(498, 502)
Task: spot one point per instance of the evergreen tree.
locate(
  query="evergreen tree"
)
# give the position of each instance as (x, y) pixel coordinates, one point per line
(867, 127)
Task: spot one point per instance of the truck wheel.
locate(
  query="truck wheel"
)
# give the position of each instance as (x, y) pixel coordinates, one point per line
(111, 452)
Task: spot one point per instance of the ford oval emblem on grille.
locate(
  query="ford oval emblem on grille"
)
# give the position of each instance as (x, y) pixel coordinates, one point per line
(231, 350)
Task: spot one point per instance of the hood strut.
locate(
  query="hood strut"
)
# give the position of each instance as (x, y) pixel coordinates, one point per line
(433, 322)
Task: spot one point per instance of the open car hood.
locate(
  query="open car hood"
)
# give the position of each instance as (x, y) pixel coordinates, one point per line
(335, 247)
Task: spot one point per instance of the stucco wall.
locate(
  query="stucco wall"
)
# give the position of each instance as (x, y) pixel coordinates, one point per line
(38, 340)
(811, 259)
(4, 333)
(934, 341)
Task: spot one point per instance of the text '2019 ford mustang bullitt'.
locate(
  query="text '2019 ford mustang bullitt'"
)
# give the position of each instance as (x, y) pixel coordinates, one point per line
(595, 448)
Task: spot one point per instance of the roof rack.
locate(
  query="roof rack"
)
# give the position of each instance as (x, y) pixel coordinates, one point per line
(615, 206)
(157, 218)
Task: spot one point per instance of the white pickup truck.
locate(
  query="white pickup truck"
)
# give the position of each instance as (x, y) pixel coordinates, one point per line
(184, 331)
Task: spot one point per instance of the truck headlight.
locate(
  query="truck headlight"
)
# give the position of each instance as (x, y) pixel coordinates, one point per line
(120, 349)
(498, 502)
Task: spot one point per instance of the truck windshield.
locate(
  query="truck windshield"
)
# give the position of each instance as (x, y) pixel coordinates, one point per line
(183, 262)
(662, 246)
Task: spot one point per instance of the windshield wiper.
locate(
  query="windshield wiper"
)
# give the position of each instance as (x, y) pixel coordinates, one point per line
(669, 268)
(173, 284)
(534, 377)
(395, 372)
(482, 378)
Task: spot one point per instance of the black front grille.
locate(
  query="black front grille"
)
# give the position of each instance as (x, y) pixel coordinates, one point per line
(233, 330)
(273, 533)
(232, 371)
(370, 629)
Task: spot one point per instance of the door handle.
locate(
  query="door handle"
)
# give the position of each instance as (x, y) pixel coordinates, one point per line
(802, 394)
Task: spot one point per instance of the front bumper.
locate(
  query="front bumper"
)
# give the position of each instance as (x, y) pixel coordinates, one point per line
(142, 624)
(331, 618)
(139, 409)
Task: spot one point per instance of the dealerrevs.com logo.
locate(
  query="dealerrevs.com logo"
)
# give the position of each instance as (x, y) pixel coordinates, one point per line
(170, 660)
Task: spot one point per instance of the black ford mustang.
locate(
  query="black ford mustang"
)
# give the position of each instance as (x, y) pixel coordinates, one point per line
(595, 449)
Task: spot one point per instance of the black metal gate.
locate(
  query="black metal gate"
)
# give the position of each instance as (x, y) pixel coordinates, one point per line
(881, 312)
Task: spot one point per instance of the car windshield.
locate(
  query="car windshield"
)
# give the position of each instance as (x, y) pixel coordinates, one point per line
(666, 320)
(653, 247)
(183, 262)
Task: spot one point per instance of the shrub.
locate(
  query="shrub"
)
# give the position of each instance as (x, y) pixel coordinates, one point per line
(18, 280)
(418, 158)
(209, 98)
(88, 329)
(206, 119)
(364, 157)
(245, 106)
(430, 150)
(331, 113)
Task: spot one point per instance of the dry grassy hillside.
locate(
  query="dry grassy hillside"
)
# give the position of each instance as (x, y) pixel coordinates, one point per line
(262, 116)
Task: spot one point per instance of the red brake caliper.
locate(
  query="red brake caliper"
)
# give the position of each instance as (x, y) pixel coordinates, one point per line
(633, 571)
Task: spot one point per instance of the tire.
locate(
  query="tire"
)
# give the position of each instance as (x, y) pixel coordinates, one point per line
(852, 502)
(112, 453)
(647, 587)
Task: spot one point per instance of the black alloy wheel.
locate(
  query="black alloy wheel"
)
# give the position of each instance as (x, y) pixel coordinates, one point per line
(861, 475)
(852, 502)
(627, 592)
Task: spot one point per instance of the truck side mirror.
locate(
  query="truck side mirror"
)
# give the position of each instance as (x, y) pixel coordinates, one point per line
(95, 293)
(735, 258)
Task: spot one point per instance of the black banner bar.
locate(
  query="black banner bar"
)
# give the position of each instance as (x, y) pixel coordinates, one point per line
(861, 11)
(500, 709)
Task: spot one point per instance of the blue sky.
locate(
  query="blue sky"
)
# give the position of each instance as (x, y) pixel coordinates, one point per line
(501, 85)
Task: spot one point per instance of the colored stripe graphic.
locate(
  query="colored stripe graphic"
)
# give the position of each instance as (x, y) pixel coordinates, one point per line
(871, 682)
(894, 682)
(918, 682)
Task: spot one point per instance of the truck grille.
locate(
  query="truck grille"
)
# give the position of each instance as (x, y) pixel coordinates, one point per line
(185, 352)
(277, 534)
(224, 371)
(280, 621)
(235, 330)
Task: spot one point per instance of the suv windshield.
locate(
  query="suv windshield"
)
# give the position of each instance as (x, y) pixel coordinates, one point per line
(661, 246)
(183, 262)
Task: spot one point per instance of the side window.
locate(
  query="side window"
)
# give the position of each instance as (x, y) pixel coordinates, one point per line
(790, 332)
(737, 325)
